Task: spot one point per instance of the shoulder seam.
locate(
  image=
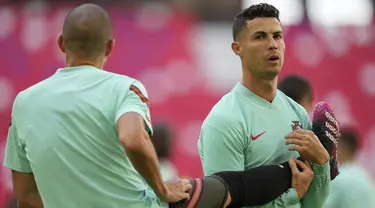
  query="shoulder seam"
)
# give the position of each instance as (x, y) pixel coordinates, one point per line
(230, 125)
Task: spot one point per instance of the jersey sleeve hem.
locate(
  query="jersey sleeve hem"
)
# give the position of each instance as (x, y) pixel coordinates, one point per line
(17, 168)
(140, 112)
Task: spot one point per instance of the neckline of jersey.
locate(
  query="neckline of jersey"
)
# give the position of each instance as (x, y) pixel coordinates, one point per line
(75, 68)
(255, 98)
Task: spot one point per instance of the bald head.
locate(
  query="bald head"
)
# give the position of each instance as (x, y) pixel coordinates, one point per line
(87, 31)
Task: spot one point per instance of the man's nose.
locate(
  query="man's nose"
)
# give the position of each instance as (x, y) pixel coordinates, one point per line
(272, 44)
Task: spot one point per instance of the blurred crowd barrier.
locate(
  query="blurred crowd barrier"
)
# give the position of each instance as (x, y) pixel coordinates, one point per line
(187, 66)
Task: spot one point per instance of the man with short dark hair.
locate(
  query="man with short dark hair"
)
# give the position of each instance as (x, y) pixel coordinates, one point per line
(250, 125)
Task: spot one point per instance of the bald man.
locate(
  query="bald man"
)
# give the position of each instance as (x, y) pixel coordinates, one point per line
(80, 138)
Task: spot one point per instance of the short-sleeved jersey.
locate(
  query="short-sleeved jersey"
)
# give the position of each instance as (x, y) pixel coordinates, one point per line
(64, 131)
(243, 131)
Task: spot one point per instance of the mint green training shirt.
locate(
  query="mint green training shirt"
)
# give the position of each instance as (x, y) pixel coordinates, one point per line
(64, 131)
(244, 131)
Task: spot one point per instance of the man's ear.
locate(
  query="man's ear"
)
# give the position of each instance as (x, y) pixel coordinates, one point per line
(61, 43)
(237, 49)
(109, 47)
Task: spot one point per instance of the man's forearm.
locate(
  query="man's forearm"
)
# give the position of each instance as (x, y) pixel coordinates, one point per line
(144, 160)
(32, 200)
(319, 188)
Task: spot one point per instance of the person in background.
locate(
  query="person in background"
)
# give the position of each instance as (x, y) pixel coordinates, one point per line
(162, 140)
(353, 188)
(299, 89)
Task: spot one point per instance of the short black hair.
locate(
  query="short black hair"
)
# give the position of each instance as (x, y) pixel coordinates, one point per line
(162, 139)
(86, 30)
(254, 11)
(296, 87)
(350, 138)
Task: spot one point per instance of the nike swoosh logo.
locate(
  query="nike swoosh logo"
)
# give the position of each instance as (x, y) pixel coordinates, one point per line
(257, 136)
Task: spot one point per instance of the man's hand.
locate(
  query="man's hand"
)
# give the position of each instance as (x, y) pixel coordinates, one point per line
(301, 180)
(308, 145)
(176, 190)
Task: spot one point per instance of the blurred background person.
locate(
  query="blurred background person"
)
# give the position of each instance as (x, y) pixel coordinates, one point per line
(298, 88)
(162, 140)
(353, 188)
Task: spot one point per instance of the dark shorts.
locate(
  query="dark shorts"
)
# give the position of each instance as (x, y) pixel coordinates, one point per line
(207, 192)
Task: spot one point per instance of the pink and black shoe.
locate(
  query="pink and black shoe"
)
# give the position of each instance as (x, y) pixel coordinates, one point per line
(326, 128)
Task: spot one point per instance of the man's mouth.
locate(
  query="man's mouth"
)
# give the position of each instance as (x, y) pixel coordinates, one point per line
(273, 58)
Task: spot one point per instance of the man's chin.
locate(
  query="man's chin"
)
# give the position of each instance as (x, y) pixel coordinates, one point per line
(271, 74)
